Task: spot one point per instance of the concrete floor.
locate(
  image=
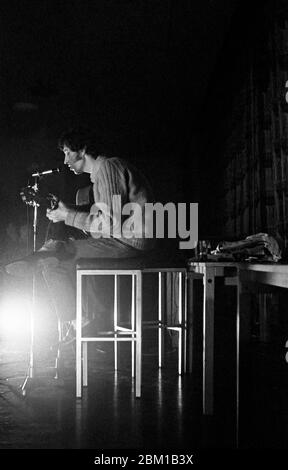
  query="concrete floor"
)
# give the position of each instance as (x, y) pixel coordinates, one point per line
(108, 416)
(168, 415)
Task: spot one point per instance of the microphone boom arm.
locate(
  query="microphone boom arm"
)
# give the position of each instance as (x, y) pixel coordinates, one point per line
(47, 172)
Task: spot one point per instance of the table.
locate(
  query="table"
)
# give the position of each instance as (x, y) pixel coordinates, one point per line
(242, 275)
(270, 274)
(209, 271)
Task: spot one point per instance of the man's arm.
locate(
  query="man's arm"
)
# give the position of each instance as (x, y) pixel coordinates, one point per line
(99, 220)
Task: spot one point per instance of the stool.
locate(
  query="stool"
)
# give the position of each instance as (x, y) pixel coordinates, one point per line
(134, 268)
(181, 325)
(116, 268)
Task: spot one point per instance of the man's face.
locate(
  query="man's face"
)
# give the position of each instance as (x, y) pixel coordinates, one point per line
(74, 160)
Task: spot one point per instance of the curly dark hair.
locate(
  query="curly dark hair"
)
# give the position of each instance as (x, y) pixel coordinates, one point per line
(79, 138)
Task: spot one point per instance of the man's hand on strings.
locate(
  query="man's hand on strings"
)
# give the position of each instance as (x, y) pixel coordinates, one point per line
(59, 214)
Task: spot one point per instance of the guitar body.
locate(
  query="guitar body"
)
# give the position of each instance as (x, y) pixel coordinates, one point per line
(85, 198)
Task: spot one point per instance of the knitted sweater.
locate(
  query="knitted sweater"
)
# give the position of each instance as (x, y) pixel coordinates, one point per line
(113, 177)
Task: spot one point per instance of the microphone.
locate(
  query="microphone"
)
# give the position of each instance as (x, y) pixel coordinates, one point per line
(47, 172)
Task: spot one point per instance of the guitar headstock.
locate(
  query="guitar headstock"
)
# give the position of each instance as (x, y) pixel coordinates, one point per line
(31, 197)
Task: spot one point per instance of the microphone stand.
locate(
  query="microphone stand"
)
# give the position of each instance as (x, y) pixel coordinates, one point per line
(31, 368)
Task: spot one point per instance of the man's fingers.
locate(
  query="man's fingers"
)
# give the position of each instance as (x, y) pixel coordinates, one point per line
(49, 215)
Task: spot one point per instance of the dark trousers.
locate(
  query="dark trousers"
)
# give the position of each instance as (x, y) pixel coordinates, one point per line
(60, 277)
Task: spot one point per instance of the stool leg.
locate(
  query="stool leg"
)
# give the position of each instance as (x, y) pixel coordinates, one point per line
(160, 321)
(78, 335)
(138, 332)
(190, 320)
(180, 320)
(133, 324)
(85, 364)
(184, 323)
(116, 306)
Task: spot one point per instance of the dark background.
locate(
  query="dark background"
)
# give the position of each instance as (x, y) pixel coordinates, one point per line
(151, 77)
(156, 80)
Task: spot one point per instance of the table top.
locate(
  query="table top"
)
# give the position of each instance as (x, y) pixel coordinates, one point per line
(273, 274)
(264, 267)
(267, 267)
(213, 263)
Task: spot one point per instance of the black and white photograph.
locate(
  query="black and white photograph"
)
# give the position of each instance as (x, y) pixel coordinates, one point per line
(144, 229)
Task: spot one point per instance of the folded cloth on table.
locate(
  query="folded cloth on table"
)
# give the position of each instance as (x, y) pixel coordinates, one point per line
(260, 245)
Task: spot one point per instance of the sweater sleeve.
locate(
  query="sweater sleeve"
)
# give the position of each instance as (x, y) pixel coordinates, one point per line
(110, 182)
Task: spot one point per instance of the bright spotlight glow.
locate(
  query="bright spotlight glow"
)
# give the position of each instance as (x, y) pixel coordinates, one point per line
(14, 317)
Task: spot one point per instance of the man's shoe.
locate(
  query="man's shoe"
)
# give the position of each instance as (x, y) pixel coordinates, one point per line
(57, 248)
(70, 335)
